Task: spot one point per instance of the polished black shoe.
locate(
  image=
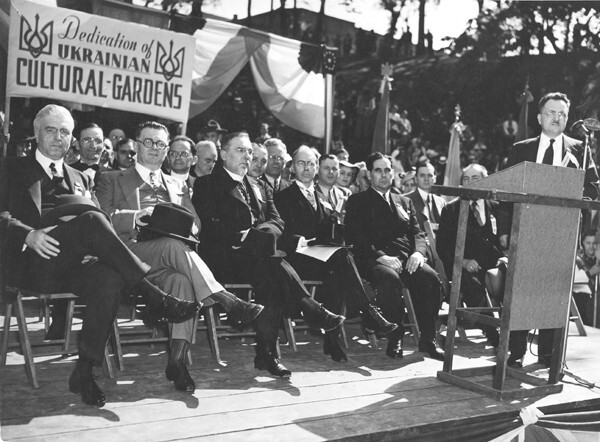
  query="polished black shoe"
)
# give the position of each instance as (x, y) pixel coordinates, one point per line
(272, 365)
(172, 309)
(432, 349)
(84, 384)
(493, 337)
(55, 331)
(179, 374)
(318, 316)
(394, 348)
(545, 360)
(332, 347)
(515, 361)
(374, 322)
(245, 312)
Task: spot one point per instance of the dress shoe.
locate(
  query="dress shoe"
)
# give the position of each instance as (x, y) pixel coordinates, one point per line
(245, 312)
(162, 305)
(432, 349)
(515, 361)
(179, 374)
(272, 365)
(319, 316)
(82, 382)
(394, 348)
(55, 331)
(374, 322)
(493, 337)
(545, 360)
(332, 347)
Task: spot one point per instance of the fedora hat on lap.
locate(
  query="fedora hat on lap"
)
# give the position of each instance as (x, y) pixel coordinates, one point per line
(172, 220)
(69, 205)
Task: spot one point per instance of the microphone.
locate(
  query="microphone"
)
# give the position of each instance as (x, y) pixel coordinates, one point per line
(591, 124)
(580, 128)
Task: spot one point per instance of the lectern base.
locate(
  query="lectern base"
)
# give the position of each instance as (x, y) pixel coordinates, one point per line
(461, 378)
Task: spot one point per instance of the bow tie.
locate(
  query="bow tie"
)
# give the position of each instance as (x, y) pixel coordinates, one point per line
(95, 167)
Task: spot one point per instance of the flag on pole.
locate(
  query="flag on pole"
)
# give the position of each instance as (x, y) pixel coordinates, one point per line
(381, 135)
(289, 75)
(453, 169)
(524, 100)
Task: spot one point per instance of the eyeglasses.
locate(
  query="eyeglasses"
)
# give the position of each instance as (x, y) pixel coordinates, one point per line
(54, 131)
(553, 114)
(242, 149)
(116, 137)
(149, 144)
(184, 155)
(309, 164)
(95, 141)
(127, 152)
(277, 158)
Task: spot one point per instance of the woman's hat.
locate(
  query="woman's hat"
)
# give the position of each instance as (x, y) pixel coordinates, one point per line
(349, 164)
(213, 126)
(69, 205)
(172, 220)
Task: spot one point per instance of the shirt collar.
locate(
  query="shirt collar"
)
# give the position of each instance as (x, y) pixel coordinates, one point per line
(302, 187)
(45, 163)
(272, 181)
(145, 173)
(545, 141)
(234, 176)
(424, 195)
(385, 196)
(180, 176)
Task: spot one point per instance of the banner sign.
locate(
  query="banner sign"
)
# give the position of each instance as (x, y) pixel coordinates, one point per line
(69, 55)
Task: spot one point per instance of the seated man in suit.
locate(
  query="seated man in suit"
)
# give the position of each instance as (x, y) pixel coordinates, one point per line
(49, 248)
(390, 248)
(259, 162)
(482, 248)
(554, 148)
(304, 216)
(182, 157)
(428, 206)
(331, 196)
(129, 196)
(278, 154)
(234, 214)
(588, 264)
(92, 147)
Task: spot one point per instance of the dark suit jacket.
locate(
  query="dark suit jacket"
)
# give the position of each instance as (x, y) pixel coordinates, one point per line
(283, 184)
(526, 150)
(481, 243)
(20, 208)
(225, 214)
(299, 216)
(419, 204)
(375, 229)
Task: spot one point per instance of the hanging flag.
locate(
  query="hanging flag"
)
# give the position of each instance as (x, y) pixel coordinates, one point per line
(453, 169)
(289, 74)
(381, 135)
(524, 100)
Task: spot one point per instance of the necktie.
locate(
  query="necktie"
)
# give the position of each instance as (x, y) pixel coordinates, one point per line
(56, 178)
(276, 185)
(153, 182)
(95, 167)
(549, 154)
(310, 196)
(430, 207)
(242, 188)
(477, 213)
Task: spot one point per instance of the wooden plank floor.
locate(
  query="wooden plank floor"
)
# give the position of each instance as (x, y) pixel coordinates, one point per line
(370, 397)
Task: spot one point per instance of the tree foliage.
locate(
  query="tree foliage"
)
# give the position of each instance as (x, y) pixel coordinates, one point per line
(517, 28)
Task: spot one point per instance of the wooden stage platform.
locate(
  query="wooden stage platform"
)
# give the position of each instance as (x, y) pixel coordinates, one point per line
(371, 397)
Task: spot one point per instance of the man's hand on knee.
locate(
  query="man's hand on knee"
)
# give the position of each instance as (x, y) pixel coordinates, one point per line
(43, 244)
(390, 261)
(415, 261)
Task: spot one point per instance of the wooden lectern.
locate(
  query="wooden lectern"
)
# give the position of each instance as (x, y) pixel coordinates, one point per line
(543, 243)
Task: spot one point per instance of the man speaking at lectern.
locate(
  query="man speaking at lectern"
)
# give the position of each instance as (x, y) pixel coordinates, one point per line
(554, 148)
